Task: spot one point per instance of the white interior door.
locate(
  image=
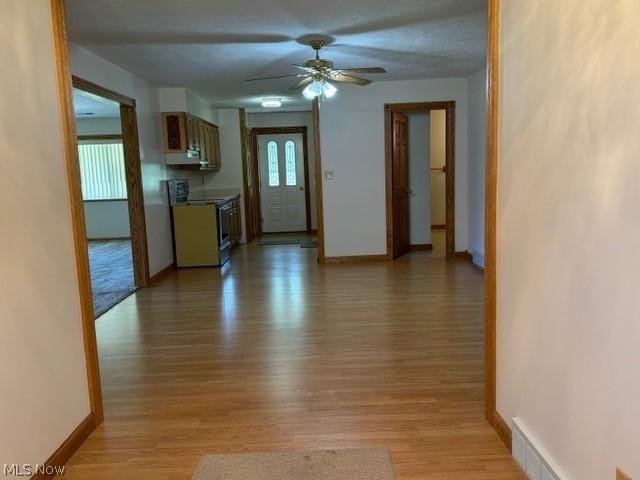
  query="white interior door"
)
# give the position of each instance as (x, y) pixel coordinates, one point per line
(282, 195)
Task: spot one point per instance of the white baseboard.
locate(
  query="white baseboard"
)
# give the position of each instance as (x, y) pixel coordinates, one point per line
(530, 455)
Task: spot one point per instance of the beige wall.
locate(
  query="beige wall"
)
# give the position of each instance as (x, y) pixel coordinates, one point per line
(98, 126)
(43, 383)
(569, 230)
(477, 154)
(438, 158)
(107, 219)
(419, 179)
(352, 144)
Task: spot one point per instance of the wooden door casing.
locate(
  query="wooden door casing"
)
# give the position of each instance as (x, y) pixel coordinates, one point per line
(133, 171)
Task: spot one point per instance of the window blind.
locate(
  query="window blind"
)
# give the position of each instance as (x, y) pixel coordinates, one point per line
(102, 171)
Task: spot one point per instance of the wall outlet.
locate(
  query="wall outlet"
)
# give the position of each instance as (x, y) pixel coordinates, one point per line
(620, 475)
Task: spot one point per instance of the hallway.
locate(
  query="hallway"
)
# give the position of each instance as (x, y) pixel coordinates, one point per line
(275, 353)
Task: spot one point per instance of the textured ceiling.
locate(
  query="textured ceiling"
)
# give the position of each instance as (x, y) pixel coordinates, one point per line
(87, 105)
(212, 46)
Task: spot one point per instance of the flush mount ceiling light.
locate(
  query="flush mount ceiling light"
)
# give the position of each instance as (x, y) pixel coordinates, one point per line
(319, 75)
(271, 103)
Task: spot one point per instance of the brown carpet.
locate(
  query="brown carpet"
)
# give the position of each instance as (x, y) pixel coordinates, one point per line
(351, 464)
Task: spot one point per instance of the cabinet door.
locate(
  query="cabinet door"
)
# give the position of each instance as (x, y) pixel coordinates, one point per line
(174, 132)
(197, 142)
(216, 160)
(202, 136)
(208, 141)
(190, 131)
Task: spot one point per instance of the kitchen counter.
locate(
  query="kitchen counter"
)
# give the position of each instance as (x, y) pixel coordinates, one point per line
(209, 197)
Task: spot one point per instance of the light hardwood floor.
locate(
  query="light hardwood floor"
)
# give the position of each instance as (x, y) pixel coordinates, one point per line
(276, 353)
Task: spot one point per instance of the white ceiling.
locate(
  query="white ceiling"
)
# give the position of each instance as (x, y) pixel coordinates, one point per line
(212, 46)
(87, 105)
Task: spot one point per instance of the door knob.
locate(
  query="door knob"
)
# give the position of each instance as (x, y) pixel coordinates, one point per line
(301, 189)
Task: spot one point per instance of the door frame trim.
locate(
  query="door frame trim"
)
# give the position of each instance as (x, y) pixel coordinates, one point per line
(491, 217)
(315, 119)
(450, 109)
(72, 167)
(257, 131)
(133, 172)
(249, 222)
(95, 89)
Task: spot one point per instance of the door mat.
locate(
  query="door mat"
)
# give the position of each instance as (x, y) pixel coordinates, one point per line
(350, 464)
(278, 242)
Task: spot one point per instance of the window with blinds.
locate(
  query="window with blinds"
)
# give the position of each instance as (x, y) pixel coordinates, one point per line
(102, 171)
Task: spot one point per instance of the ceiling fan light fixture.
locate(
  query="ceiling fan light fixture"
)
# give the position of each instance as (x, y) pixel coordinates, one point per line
(329, 90)
(313, 90)
(271, 103)
(319, 88)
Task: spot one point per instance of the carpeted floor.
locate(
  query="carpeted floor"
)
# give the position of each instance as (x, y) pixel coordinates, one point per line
(111, 265)
(348, 464)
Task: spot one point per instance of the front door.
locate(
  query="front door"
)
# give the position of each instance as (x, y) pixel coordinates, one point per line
(282, 195)
(400, 175)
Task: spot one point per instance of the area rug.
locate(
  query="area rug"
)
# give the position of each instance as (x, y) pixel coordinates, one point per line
(111, 266)
(278, 242)
(350, 464)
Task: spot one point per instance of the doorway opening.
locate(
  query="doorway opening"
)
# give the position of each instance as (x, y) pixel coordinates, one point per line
(420, 177)
(110, 174)
(281, 172)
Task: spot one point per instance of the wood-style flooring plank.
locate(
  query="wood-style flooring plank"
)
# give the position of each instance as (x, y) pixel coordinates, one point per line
(276, 353)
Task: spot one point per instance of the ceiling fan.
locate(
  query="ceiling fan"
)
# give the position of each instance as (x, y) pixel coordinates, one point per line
(319, 75)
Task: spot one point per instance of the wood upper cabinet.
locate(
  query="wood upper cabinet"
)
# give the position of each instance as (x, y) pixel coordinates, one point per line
(174, 130)
(213, 146)
(192, 132)
(210, 145)
(186, 133)
(202, 140)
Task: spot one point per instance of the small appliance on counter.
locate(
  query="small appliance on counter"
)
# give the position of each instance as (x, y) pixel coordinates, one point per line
(178, 191)
(201, 226)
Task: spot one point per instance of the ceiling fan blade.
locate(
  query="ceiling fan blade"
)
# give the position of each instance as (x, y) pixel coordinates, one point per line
(342, 78)
(363, 70)
(304, 67)
(277, 76)
(302, 83)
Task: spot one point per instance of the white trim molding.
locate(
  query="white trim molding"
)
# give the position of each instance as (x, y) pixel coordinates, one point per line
(530, 455)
